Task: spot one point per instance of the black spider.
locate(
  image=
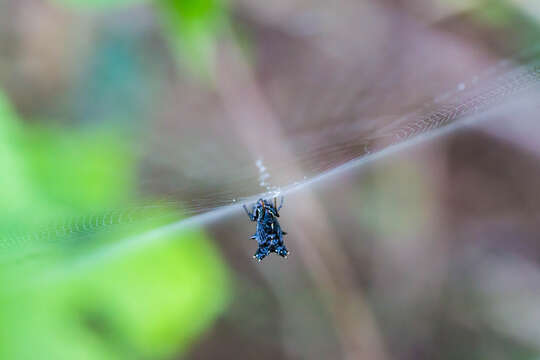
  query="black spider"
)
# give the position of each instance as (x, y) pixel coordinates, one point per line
(268, 234)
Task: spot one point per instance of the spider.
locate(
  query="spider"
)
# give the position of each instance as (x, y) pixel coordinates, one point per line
(268, 233)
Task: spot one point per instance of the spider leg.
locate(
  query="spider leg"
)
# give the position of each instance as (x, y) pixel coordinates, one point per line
(249, 214)
(280, 205)
(282, 251)
(261, 253)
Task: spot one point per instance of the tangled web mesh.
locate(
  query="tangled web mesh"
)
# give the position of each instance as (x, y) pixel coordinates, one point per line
(508, 79)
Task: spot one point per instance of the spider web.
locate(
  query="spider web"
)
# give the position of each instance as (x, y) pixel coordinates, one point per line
(243, 181)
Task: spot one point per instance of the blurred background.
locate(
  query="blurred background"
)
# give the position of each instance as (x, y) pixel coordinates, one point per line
(403, 134)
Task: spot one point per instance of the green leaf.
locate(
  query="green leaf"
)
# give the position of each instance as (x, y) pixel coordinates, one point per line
(193, 28)
(149, 302)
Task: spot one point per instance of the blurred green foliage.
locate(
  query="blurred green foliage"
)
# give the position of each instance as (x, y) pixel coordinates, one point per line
(193, 27)
(146, 302)
(52, 173)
